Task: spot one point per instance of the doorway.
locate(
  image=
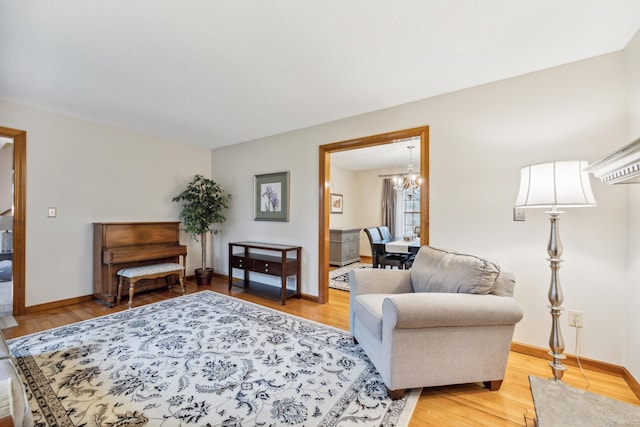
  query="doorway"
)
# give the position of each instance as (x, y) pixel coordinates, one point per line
(325, 190)
(19, 215)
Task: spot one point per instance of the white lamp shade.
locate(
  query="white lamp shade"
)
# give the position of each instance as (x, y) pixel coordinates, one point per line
(555, 184)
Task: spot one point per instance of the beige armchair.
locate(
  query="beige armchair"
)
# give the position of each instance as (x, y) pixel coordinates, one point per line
(448, 320)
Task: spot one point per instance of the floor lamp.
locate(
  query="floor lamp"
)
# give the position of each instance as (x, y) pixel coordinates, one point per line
(554, 185)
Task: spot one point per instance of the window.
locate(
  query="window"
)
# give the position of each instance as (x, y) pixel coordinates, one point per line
(408, 214)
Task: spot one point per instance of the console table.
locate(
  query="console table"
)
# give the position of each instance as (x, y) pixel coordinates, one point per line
(266, 258)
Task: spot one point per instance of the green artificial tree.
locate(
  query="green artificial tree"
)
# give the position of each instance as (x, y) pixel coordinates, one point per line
(202, 204)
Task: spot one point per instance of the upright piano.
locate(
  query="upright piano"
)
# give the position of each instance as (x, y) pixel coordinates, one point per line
(118, 245)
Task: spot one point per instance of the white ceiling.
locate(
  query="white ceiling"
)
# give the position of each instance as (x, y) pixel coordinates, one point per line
(215, 73)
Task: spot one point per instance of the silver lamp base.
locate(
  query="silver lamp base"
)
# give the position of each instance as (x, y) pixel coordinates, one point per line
(556, 342)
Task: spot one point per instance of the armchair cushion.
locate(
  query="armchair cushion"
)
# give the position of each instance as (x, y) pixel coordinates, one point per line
(438, 270)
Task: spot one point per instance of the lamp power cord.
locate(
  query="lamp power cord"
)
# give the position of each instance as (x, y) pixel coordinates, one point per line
(578, 357)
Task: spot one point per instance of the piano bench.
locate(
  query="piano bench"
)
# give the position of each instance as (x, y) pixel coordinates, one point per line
(152, 271)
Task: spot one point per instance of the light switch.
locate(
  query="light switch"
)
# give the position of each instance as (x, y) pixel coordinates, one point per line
(518, 214)
(52, 212)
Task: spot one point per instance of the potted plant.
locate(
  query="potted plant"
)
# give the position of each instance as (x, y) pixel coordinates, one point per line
(202, 204)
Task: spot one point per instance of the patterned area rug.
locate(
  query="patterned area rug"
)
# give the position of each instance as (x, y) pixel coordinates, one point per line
(203, 359)
(339, 278)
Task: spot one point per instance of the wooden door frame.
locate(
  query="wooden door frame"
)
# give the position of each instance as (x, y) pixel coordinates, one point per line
(19, 215)
(325, 191)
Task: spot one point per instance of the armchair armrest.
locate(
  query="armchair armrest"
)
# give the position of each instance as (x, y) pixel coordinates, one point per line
(13, 396)
(429, 309)
(379, 281)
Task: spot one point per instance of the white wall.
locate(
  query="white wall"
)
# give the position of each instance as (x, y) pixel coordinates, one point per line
(480, 138)
(6, 177)
(369, 189)
(632, 298)
(369, 199)
(91, 173)
(342, 183)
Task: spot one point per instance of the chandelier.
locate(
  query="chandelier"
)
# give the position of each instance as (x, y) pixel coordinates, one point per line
(408, 183)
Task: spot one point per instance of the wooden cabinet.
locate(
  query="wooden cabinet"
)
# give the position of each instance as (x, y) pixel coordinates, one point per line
(266, 258)
(344, 246)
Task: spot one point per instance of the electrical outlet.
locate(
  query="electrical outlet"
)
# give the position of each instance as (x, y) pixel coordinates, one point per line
(518, 214)
(52, 212)
(575, 319)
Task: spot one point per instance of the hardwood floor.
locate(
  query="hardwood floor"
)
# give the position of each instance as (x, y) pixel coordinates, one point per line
(457, 405)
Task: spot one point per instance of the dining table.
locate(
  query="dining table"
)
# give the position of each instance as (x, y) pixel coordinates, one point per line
(402, 246)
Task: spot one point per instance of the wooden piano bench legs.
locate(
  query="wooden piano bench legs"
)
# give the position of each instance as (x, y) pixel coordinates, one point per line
(153, 271)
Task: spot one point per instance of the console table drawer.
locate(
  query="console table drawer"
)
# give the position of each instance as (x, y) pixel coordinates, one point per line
(351, 236)
(266, 267)
(240, 262)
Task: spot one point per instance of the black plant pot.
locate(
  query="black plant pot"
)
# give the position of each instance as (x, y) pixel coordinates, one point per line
(203, 277)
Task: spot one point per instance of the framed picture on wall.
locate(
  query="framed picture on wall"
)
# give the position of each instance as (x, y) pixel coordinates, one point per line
(336, 203)
(271, 201)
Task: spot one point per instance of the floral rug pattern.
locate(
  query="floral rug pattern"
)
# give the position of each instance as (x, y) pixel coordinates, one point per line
(203, 359)
(339, 278)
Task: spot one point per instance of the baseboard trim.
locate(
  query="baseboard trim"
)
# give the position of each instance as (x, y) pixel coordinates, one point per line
(56, 304)
(311, 298)
(572, 360)
(633, 384)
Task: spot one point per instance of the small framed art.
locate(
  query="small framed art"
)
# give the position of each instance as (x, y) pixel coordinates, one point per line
(336, 203)
(271, 202)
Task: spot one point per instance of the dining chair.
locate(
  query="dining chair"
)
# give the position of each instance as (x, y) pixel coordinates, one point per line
(375, 241)
(385, 233)
(393, 260)
(380, 257)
